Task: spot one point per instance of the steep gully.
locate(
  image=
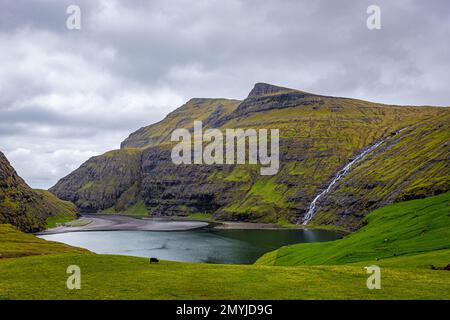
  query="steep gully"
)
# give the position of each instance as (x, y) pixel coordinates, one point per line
(341, 174)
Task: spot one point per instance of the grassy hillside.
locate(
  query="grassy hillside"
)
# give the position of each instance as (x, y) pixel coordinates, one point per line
(137, 210)
(25, 208)
(206, 110)
(406, 228)
(413, 164)
(62, 211)
(14, 243)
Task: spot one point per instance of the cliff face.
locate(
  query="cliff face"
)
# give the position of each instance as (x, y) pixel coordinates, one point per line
(413, 164)
(24, 207)
(318, 136)
(101, 182)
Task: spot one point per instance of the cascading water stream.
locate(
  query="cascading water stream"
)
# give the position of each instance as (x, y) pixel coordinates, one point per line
(312, 207)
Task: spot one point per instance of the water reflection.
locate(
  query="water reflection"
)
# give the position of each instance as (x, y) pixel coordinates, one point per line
(206, 245)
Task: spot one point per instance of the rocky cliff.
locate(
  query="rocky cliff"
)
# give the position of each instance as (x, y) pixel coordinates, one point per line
(318, 136)
(23, 207)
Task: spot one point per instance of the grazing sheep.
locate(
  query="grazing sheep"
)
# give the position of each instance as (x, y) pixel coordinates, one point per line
(154, 260)
(447, 268)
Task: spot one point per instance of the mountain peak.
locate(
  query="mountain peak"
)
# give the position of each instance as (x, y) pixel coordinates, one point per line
(262, 88)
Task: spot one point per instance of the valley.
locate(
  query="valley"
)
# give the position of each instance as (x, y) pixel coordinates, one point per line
(380, 174)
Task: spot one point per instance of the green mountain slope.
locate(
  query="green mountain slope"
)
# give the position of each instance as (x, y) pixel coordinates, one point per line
(206, 110)
(413, 164)
(25, 208)
(318, 136)
(104, 181)
(405, 228)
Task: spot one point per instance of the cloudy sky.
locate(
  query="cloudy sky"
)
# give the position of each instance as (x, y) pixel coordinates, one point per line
(66, 95)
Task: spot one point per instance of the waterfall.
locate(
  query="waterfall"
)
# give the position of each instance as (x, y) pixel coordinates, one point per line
(312, 207)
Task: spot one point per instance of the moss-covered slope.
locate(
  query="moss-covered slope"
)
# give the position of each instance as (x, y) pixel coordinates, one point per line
(200, 109)
(102, 182)
(23, 207)
(413, 164)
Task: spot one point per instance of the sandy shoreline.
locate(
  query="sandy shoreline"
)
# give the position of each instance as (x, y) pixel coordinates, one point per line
(125, 223)
(99, 222)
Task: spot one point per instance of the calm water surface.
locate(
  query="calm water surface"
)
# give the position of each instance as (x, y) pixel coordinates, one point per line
(202, 245)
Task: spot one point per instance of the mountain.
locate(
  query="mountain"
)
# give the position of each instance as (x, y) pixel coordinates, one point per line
(25, 208)
(319, 135)
(206, 110)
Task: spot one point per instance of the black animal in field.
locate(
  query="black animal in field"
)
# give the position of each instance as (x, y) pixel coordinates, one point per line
(447, 268)
(154, 260)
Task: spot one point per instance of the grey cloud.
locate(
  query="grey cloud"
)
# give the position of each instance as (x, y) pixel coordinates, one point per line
(81, 92)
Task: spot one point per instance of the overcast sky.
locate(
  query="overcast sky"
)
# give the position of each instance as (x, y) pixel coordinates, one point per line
(66, 95)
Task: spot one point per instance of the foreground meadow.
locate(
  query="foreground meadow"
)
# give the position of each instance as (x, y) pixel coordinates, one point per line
(404, 249)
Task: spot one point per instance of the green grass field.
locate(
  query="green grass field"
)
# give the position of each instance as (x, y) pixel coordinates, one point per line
(121, 277)
(14, 243)
(332, 270)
